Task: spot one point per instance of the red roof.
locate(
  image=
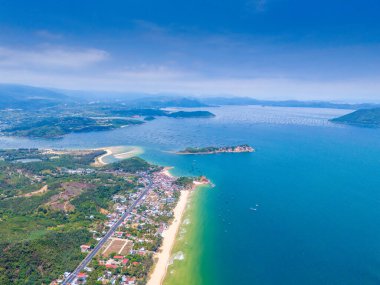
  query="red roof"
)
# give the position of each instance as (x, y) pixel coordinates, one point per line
(111, 265)
(125, 261)
(118, 257)
(82, 275)
(135, 263)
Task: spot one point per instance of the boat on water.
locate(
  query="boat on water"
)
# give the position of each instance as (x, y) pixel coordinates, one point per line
(253, 209)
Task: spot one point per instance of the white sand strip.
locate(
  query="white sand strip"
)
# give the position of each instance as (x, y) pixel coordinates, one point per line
(169, 234)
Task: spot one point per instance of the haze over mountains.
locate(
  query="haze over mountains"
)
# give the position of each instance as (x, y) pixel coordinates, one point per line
(28, 97)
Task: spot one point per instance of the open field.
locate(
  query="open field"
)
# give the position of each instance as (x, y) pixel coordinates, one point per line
(117, 245)
(61, 201)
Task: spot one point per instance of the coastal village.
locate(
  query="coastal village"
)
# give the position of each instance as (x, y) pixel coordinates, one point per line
(89, 222)
(127, 256)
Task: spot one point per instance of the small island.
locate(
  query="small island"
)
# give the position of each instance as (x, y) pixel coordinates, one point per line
(214, 150)
(191, 114)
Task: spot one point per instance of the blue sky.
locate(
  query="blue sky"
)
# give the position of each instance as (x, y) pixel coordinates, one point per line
(268, 49)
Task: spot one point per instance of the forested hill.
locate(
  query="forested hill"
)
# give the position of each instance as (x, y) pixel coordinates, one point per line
(27, 97)
(362, 117)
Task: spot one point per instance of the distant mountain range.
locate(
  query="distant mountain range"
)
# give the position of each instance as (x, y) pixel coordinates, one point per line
(167, 102)
(244, 101)
(27, 97)
(161, 113)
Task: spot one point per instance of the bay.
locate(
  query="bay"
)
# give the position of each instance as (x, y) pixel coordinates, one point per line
(315, 187)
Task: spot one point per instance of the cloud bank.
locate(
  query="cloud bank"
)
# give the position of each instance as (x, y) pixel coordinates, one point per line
(50, 57)
(87, 69)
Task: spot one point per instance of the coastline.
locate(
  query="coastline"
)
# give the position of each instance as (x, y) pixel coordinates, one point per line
(118, 152)
(163, 257)
(164, 254)
(185, 265)
(99, 160)
(166, 171)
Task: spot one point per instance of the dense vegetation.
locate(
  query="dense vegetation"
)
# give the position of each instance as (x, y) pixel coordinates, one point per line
(54, 127)
(38, 261)
(131, 165)
(199, 149)
(184, 181)
(39, 239)
(99, 197)
(41, 113)
(362, 117)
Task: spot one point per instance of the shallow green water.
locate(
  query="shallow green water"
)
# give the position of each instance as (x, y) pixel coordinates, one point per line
(187, 267)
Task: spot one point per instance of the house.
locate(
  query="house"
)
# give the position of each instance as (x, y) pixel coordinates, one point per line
(81, 276)
(85, 248)
(111, 266)
(102, 262)
(130, 280)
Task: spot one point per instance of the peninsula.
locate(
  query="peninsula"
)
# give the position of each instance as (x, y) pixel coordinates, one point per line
(214, 150)
(360, 118)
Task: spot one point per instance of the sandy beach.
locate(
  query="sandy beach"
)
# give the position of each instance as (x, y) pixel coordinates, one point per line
(169, 234)
(166, 171)
(118, 152)
(99, 160)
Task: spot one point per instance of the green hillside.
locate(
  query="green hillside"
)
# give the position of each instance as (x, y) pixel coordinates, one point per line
(362, 117)
(27, 97)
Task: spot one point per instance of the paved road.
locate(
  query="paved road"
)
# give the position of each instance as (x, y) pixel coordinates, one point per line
(100, 244)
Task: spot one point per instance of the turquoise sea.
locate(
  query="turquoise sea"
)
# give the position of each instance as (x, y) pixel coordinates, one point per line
(316, 184)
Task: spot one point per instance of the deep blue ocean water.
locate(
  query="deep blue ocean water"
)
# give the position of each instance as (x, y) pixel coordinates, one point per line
(316, 184)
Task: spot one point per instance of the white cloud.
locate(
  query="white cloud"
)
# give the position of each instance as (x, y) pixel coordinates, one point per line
(50, 57)
(90, 69)
(160, 80)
